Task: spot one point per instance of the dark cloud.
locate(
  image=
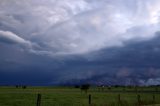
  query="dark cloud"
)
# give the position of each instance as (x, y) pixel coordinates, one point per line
(77, 41)
(135, 63)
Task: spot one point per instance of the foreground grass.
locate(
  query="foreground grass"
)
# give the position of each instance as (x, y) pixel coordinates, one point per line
(65, 96)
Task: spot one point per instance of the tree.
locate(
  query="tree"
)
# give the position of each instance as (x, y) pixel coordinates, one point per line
(85, 87)
(77, 86)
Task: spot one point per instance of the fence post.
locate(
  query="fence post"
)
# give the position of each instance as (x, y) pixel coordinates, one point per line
(153, 99)
(119, 99)
(89, 99)
(38, 100)
(139, 99)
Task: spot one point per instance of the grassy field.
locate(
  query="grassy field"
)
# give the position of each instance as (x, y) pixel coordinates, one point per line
(70, 96)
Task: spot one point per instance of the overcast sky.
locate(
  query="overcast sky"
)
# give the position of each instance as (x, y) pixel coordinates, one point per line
(79, 41)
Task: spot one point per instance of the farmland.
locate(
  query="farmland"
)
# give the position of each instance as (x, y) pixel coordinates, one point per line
(71, 96)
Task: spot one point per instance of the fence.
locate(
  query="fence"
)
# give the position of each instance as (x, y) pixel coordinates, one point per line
(120, 101)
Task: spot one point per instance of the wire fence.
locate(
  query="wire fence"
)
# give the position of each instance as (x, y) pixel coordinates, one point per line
(119, 101)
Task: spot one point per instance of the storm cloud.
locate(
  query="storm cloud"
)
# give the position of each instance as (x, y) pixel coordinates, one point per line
(72, 40)
(77, 27)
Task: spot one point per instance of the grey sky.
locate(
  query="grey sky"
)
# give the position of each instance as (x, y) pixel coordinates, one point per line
(59, 30)
(79, 26)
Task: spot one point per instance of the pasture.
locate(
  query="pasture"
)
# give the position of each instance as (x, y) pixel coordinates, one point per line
(71, 96)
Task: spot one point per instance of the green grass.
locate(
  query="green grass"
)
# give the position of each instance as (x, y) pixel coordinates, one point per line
(68, 96)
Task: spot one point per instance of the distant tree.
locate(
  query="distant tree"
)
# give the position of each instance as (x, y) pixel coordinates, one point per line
(77, 86)
(157, 85)
(116, 86)
(109, 88)
(24, 87)
(17, 86)
(85, 87)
